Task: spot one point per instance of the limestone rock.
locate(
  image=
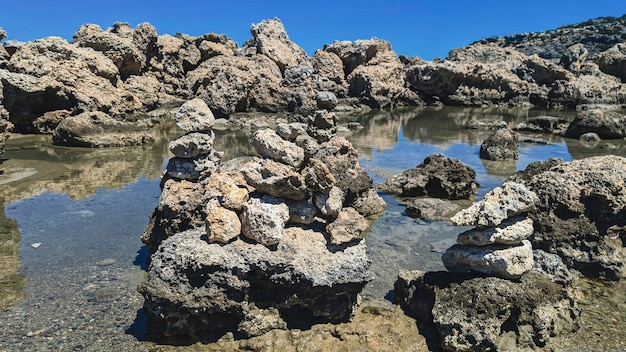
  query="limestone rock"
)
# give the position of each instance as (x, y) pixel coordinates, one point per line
(274, 178)
(607, 124)
(431, 209)
(193, 169)
(505, 261)
(510, 231)
(193, 144)
(534, 168)
(271, 40)
(466, 312)
(347, 227)
(97, 129)
(613, 61)
(318, 176)
(329, 204)
(574, 57)
(223, 187)
(331, 76)
(486, 124)
(301, 212)
(326, 100)
(545, 124)
(263, 220)
(195, 116)
(582, 203)
(437, 176)
(269, 144)
(501, 145)
(197, 291)
(343, 161)
(369, 203)
(291, 131)
(222, 225)
(499, 204)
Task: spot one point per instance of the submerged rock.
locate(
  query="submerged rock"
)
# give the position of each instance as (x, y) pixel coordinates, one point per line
(437, 176)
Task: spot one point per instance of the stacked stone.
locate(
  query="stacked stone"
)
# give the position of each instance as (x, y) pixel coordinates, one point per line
(194, 157)
(498, 244)
(303, 174)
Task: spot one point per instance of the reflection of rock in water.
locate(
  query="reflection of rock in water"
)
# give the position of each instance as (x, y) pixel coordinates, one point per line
(12, 284)
(500, 167)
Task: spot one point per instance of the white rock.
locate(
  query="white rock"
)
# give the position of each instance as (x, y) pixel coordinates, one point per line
(508, 262)
(511, 231)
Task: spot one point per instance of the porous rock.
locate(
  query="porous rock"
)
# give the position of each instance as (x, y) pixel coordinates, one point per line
(196, 291)
(194, 116)
(193, 144)
(269, 144)
(499, 204)
(437, 176)
(466, 312)
(501, 145)
(431, 208)
(510, 231)
(347, 227)
(505, 261)
(263, 220)
(607, 124)
(274, 178)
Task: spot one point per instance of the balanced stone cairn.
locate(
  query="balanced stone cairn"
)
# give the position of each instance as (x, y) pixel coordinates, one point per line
(244, 250)
(194, 157)
(498, 245)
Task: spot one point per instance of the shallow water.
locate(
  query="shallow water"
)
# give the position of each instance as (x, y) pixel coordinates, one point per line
(85, 209)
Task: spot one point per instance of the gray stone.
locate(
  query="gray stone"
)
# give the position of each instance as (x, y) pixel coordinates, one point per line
(431, 209)
(301, 212)
(505, 261)
(193, 169)
(195, 116)
(501, 145)
(343, 161)
(544, 124)
(369, 203)
(193, 144)
(269, 144)
(291, 131)
(274, 178)
(499, 204)
(437, 176)
(486, 124)
(263, 220)
(510, 231)
(347, 227)
(326, 100)
(607, 124)
(318, 176)
(329, 204)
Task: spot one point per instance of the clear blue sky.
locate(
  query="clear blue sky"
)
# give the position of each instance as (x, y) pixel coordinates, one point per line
(415, 28)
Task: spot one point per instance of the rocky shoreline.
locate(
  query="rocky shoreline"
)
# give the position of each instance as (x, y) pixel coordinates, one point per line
(276, 242)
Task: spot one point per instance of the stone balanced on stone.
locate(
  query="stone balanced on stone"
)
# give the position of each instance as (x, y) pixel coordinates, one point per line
(498, 245)
(248, 250)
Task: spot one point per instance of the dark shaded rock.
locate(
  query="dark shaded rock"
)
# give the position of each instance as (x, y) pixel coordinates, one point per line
(552, 266)
(326, 100)
(466, 313)
(5, 129)
(574, 58)
(431, 209)
(193, 169)
(590, 137)
(318, 176)
(501, 145)
(50, 120)
(580, 202)
(607, 124)
(437, 176)
(97, 129)
(196, 291)
(181, 207)
(545, 124)
(533, 169)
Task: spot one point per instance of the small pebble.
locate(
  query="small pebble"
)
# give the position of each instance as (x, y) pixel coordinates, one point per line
(36, 245)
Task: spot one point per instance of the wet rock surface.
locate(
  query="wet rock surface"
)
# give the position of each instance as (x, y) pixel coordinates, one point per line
(437, 176)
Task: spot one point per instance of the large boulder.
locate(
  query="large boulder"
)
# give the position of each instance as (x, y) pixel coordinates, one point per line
(467, 312)
(230, 84)
(196, 291)
(124, 54)
(50, 74)
(581, 214)
(613, 61)
(437, 176)
(503, 144)
(607, 124)
(271, 39)
(330, 74)
(97, 129)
